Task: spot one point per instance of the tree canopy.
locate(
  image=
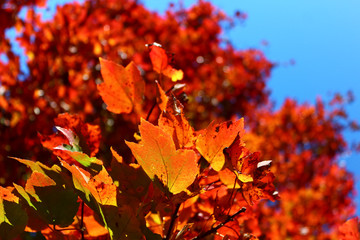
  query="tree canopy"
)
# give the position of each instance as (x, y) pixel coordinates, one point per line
(114, 74)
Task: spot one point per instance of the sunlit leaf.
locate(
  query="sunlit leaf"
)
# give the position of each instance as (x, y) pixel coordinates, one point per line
(173, 121)
(123, 88)
(215, 138)
(157, 155)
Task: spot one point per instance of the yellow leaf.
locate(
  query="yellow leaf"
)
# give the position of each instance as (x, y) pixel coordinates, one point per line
(244, 177)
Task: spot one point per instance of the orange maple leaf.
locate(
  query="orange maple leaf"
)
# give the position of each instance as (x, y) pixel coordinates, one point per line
(100, 186)
(123, 88)
(212, 141)
(157, 155)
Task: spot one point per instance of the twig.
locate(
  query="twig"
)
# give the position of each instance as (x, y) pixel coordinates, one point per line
(82, 221)
(173, 218)
(150, 111)
(214, 229)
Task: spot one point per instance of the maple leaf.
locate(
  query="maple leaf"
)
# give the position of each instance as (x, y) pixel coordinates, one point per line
(157, 155)
(247, 173)
(123, 88)
(133, 181)
(100, 186)
(38, 179)
(243, 162)
(77, 141)
(160, 62)
(87, 136)
(75, 151)
(43, 190)
(215, 138)
(77, 137)
(261, 188)
(101, 195)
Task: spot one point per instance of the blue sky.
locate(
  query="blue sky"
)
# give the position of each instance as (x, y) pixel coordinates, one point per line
(322, 37)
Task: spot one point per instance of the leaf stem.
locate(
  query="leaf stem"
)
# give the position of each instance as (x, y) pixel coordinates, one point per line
(214, 229)
(173, 218)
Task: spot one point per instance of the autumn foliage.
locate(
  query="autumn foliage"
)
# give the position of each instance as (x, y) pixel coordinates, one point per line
(112, 135)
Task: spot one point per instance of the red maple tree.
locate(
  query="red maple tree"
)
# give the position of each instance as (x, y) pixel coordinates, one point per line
(182, 103)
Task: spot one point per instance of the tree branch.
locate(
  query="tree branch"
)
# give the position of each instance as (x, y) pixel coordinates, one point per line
(173, 218)
(214, 229)
(150, 111)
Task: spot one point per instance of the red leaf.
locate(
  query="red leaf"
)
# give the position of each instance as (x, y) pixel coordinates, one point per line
(73, 132)
(158, 57)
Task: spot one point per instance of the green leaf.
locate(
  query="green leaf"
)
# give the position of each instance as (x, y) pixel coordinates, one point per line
(86, 161)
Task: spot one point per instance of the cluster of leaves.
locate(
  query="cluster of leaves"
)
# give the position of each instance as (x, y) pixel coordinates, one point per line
(303, 141)
(186, 184)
